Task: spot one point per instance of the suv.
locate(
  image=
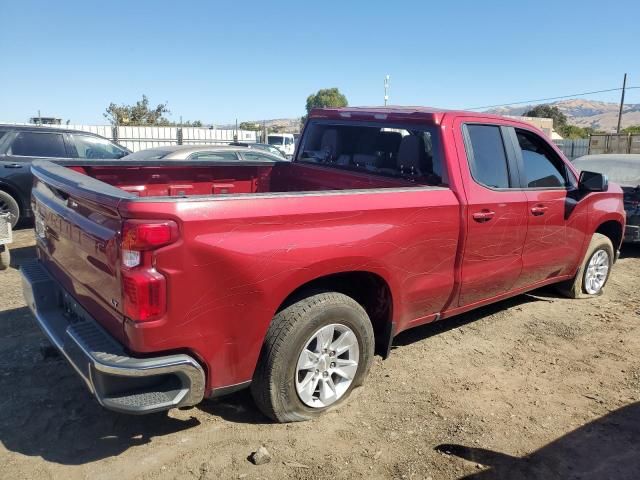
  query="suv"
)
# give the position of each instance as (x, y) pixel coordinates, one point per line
(19, 145)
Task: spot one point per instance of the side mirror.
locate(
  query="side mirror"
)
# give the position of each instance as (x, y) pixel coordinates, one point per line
(593, 182)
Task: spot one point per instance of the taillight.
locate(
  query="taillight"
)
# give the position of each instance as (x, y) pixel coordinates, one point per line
(139, 236)
(144, 294)
(144, 291)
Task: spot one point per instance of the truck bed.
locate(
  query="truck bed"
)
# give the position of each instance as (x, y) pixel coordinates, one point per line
(180, 179)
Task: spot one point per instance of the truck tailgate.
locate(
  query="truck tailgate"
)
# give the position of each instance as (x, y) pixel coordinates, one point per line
(77, 235)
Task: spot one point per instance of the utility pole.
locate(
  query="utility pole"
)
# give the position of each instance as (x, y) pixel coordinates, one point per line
(386, 89)
(624, 86)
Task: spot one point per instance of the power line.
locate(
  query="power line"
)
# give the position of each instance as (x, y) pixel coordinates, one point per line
(551, 98)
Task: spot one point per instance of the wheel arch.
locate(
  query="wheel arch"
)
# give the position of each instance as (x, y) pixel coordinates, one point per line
(14, 192)
(613, 230)
(369, 289)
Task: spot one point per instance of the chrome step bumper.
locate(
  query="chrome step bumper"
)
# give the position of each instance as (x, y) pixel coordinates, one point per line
(118, 381)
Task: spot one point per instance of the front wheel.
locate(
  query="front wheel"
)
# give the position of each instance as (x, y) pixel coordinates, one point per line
(315, 353)
(594, 271)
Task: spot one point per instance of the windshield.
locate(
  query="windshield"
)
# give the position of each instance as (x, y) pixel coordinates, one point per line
(621, 169)
(275, 140)
(412, 152)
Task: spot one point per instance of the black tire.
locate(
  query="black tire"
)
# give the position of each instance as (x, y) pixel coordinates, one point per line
(575, 288)
(273, 386)
(8, 204)
(5, 258)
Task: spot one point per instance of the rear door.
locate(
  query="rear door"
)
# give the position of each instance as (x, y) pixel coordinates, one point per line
(556, 220)
(496, 212)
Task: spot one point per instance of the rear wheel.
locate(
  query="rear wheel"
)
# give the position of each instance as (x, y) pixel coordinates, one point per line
(594, 271)
(316, 352)
(8, 204)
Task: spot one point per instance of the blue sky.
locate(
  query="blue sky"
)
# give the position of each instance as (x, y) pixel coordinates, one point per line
(217, 61)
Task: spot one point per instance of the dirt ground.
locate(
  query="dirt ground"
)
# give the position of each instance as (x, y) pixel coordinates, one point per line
(534, 387)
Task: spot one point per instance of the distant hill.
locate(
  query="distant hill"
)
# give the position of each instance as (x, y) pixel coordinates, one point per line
(586, 113)
(579, 112)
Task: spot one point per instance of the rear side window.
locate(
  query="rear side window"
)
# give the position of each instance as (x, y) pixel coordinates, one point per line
(221, 156)
(542, 168)
(257, 157)
(487, 159)
(36, 144)
(2, 133)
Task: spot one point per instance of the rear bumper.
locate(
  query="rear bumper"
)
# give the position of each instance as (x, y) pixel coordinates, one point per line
(118, 381)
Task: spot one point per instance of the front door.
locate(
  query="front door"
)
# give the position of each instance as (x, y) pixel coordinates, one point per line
(496, 214)
(556, 220)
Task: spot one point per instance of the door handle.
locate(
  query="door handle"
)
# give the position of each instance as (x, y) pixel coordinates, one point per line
(13, 165)
(483, 215)
(538, 210)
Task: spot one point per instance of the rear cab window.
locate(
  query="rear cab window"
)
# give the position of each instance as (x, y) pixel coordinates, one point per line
(38, 144)
(410, 152)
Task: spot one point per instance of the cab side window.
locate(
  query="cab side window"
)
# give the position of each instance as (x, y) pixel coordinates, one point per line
(487, 156)
(542, 167)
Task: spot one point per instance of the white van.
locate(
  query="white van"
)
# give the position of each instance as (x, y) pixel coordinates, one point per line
(284, 141)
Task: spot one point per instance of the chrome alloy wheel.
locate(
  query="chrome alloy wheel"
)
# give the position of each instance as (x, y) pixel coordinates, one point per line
(597, 270)
(327, 365)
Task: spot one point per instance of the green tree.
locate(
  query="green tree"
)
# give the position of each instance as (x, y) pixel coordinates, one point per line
(573, 132)
(547, 111)
(326, 97)
(138, 114)
(633, 129)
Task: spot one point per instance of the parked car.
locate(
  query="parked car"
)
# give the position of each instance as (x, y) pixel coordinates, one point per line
(165, 282)
(284, 141)
(624, 169)
(261, 146)
(19, 145)
(203, 152)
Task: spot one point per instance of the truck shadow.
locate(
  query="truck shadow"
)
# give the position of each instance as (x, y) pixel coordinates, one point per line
(630, 250)
(237, 407)
(435, 328)
(21, 255)
(608, 447)
(48, 412)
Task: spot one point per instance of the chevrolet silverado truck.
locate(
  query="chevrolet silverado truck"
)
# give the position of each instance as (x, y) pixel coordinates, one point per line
(164, 283)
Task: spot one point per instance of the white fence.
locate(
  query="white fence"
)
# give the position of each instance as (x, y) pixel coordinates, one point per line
(140, 138)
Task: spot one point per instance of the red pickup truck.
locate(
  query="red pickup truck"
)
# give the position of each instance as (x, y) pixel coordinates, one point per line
(167, 282)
